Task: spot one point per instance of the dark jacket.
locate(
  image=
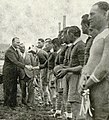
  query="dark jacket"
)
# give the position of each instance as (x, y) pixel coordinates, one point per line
(50, 62)
(77, 54)
(11, 63)
(67, 55)
(42, 56)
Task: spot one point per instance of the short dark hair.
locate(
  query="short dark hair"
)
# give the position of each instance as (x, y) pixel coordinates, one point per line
(85, 19)
(103, 5)
(13, 40)
(56, 41)
(40, 39)
(62, 32)
(75, 30)
(48, 40)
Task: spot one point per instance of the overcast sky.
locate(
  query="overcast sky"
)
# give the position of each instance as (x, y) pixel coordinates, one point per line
(33, 19)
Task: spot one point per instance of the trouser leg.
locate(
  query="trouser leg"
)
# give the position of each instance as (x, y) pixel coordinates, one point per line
(10, 92)
(73, 95)
(43, 81)
(30, 91)
(23, 90)
(13, 97)
(52, 85)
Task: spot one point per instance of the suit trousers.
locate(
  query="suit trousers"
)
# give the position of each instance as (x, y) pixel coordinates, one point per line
(27, 88)
(10, 91)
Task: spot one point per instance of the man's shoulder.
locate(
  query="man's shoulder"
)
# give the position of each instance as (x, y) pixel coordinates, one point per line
(10, 49)
(102, 35)
(106, 39)
(43, 52)
(27, 53)
(80, 44)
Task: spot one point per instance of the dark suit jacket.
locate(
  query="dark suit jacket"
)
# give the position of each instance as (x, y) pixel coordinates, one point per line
(11, 63)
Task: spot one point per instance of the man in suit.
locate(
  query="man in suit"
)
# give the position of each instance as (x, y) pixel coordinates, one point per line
(10, 73)
(27, 76)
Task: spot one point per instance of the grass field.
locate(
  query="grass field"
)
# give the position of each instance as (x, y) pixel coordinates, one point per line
(22, 112)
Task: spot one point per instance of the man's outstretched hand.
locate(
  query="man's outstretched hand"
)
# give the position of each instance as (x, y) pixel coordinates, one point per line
(29, 67)
(61, 73)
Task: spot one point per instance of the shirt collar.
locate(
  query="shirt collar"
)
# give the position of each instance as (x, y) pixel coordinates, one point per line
(79, 39)
(52, 50)
(58, 51)
(63, 44)
(14, 48)
(38, 50)
(70, 44)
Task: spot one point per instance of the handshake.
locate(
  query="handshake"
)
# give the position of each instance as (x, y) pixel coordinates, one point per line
(30, 67)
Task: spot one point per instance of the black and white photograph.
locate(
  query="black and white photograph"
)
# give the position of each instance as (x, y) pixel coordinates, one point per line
(54, 59)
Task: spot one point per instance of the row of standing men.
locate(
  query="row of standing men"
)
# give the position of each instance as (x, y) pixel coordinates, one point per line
(61, 63)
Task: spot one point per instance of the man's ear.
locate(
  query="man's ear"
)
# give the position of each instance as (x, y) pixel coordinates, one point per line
(107, 15)
(71, 35)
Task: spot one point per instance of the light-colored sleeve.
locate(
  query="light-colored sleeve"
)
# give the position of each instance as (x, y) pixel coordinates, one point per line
(102, 68)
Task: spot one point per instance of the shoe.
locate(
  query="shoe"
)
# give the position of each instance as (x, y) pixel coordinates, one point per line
(57, 114)
(67, 116)
(24, 102)
(53, 110)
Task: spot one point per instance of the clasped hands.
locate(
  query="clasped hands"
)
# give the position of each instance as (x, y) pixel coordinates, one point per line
(30, 67)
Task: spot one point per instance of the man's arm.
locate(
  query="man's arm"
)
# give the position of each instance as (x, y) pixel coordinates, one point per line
(102, 68)
(74, 69)
(42, 56)
(81, 49)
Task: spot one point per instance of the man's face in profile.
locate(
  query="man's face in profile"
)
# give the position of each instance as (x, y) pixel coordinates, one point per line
(48, 45)
(22, 48)
(96, 17)
(40, 44)
(16, 43)
(84, 28)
